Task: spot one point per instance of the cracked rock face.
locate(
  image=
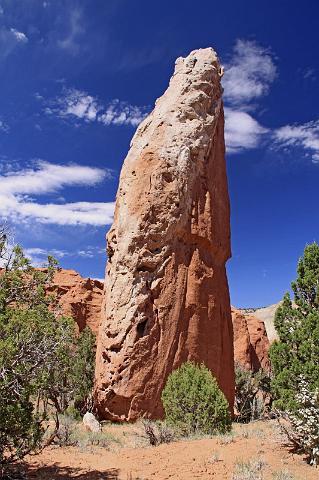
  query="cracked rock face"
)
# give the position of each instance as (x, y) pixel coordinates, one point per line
(79, 298)
(166, 292)
(251, 344)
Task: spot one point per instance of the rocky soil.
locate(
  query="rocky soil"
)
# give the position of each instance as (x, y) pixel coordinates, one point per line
(252, 452)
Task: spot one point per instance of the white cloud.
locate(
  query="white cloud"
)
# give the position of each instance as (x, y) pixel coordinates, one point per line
(20, 36)
(76, 213)
(80, 105)
(46, 178)
(242, 131)
(249, 73)
(305, 135)
(248, 76)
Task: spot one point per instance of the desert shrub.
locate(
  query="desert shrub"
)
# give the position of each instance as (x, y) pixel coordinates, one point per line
(282, 475)
(73, 413)
(303, 424)
(157, 432)
(250, 470)
(251, 390)
(297, 350)
(66, 434)
(226, 439)
(215, 457)
(193, 402)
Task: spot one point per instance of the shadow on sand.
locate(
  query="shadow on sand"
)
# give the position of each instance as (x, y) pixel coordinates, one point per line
(57, 472)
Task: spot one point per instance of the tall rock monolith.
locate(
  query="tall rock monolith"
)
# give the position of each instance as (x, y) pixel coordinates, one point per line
(166, 292)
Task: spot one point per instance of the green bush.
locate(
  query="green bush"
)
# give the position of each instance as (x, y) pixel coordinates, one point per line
(194, 403)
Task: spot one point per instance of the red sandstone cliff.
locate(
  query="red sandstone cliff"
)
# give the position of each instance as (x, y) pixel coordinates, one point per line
(79, 297)
(251, 342)
(166, 292)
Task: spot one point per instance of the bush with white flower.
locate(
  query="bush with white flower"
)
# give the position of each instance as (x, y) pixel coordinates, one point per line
(303, 430)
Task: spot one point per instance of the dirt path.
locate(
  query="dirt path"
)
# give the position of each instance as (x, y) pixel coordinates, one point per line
(216, 458)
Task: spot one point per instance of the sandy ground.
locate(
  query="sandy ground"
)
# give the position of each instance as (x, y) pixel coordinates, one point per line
(129, 458)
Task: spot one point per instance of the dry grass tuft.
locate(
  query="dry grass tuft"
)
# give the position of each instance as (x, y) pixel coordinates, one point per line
(251, 470)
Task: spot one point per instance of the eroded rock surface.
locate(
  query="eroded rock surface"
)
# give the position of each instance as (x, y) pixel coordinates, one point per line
(251, 343)
(78, 297)
(166, 294)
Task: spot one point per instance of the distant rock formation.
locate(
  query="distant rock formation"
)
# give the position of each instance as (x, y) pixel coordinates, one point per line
(267, 315)
(166, 293)
(78, 297)
(251, 343)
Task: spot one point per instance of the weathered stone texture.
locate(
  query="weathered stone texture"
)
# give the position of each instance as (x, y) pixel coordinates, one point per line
(166, 293)
(78, 297)
(251, 343)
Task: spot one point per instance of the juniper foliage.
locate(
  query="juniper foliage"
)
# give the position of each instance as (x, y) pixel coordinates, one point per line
(296, 353)
(193, 401)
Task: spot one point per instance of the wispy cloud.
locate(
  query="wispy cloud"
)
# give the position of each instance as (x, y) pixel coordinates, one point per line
(122, 113)
(309, 74)
(80, 105)
(75, 29)
(19, 36)
(248, 76)
(38, 256)
(10, 38)
(4, 127)
(305, 136)
(18, 189)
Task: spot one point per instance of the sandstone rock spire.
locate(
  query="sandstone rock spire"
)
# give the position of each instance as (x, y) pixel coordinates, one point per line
(166, 291)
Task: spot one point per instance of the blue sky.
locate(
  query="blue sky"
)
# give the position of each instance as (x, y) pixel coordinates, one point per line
(77, 77)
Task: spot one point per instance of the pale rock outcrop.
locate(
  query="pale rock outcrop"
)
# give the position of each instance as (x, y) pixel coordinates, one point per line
(166, 292)
(267, 315)
(91, 423)
(251, 343)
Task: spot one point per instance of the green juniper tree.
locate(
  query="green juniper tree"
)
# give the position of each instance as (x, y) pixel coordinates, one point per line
(43, 363)
(296, 353)
(83, 371)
